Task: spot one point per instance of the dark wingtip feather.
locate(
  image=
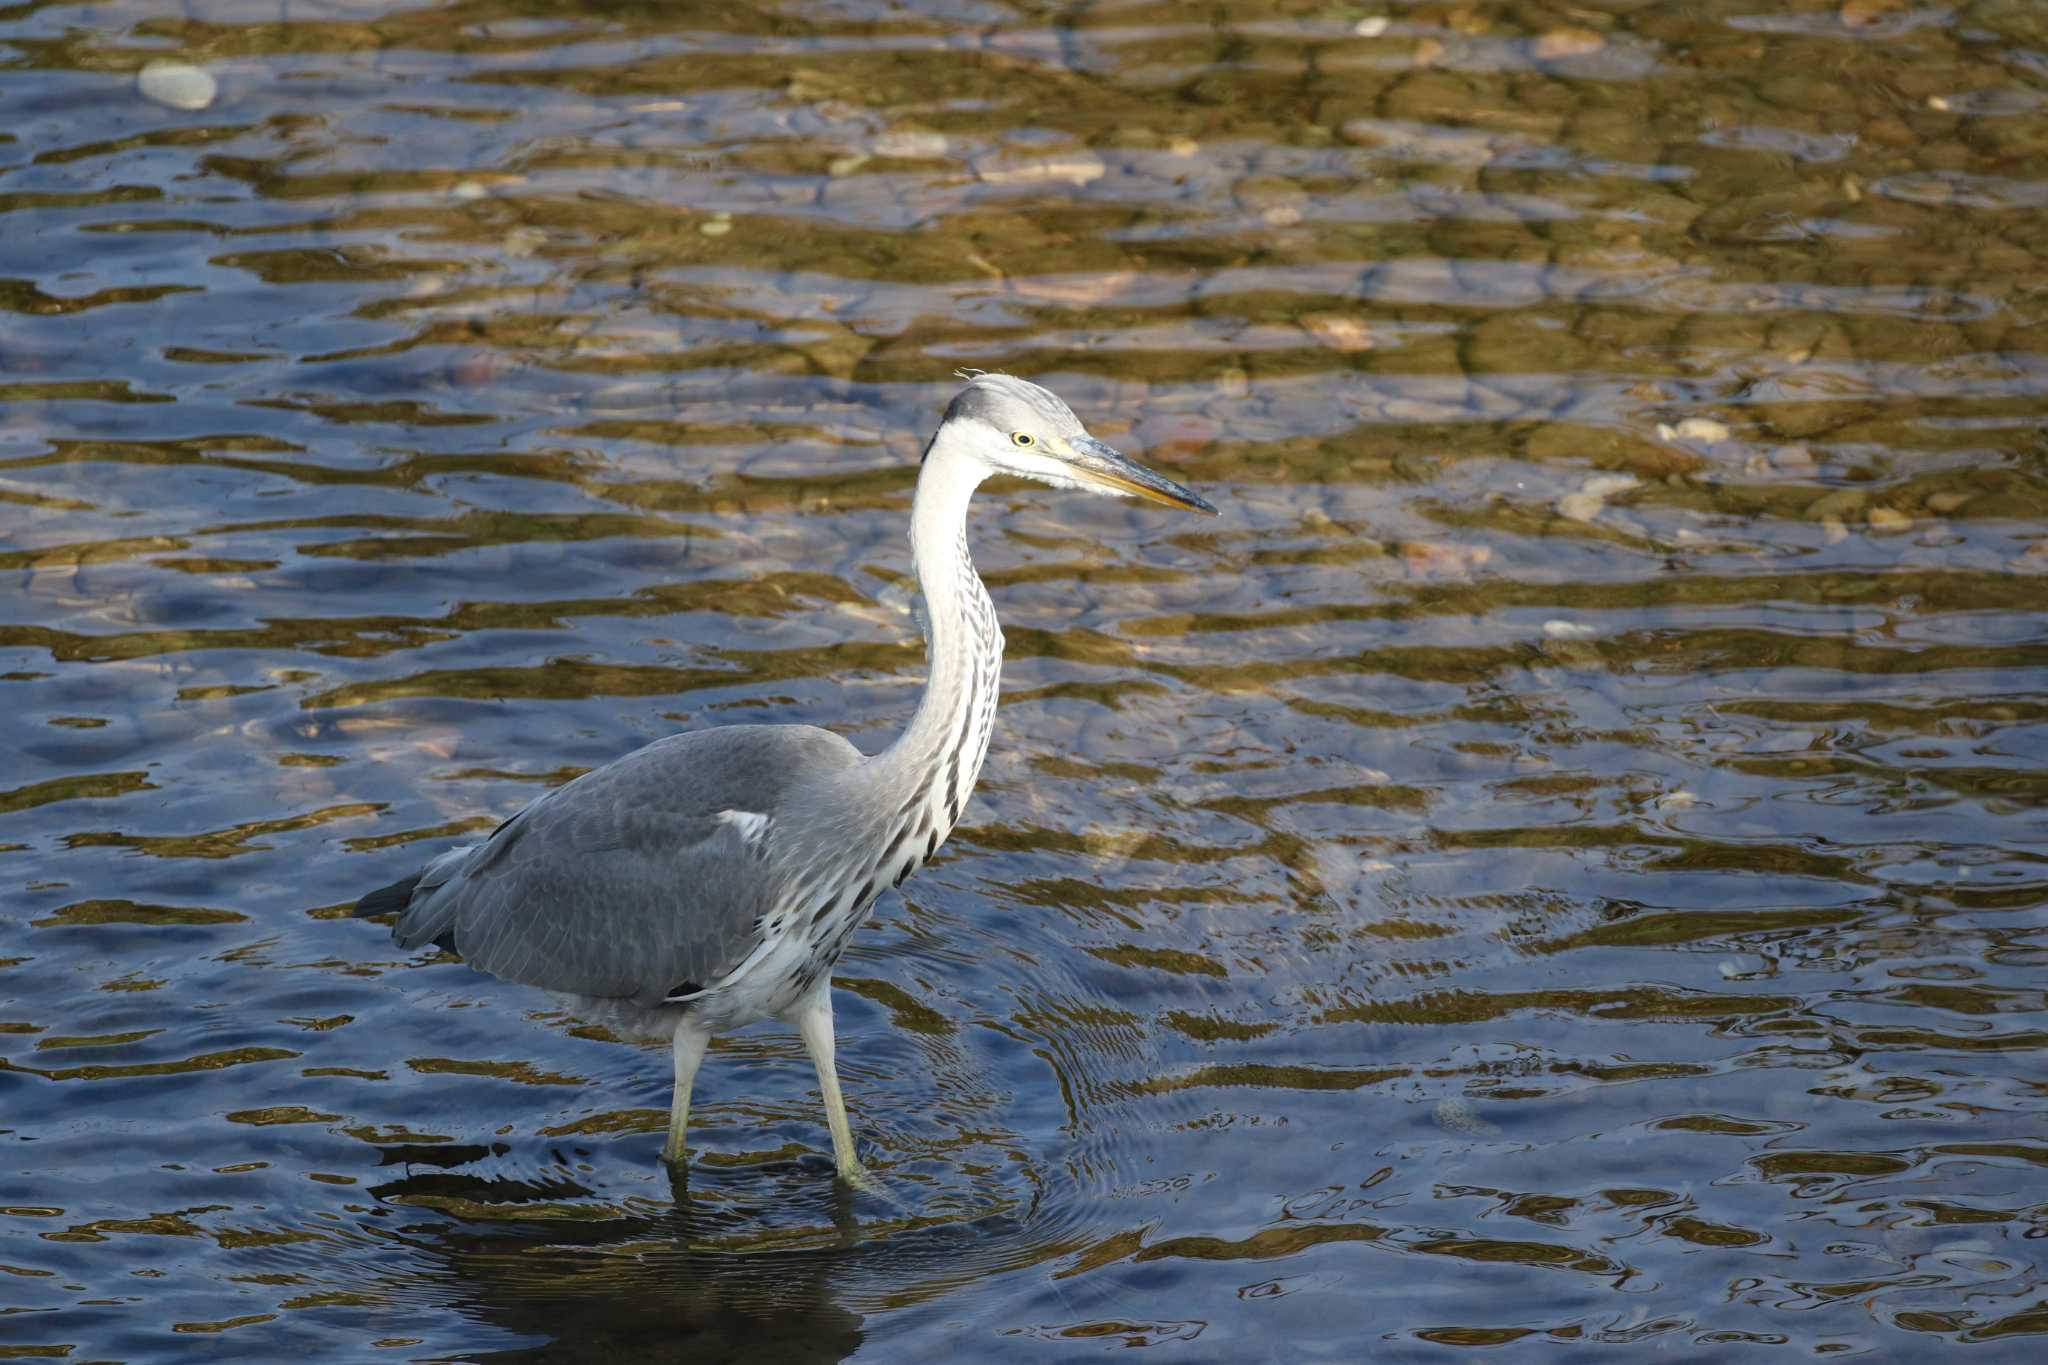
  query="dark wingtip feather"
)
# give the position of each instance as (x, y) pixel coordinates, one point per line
(387, 900)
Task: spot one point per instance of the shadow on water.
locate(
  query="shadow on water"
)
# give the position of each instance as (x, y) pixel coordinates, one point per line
(680, 1278)
(736, 1257)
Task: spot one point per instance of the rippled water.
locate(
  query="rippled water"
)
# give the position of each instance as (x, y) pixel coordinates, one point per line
(1560, 861)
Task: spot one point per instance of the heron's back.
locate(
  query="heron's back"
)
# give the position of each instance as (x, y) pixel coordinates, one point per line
(638, 880)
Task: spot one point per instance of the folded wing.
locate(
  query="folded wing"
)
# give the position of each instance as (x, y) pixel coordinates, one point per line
(647, 877)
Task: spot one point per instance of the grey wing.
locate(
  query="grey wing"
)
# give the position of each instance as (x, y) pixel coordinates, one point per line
(640, 879)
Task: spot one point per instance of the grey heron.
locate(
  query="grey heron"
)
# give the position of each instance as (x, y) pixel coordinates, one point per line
(712, 878)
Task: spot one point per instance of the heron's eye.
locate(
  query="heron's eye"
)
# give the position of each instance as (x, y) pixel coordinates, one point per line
(1023, 438)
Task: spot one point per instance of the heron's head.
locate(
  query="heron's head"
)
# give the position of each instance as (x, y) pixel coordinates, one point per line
(1015, 427)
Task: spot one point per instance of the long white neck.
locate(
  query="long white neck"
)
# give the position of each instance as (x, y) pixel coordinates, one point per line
(930, 769)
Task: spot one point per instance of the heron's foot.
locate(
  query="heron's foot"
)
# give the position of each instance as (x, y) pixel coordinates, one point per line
(859, 1177)
(871, 1188)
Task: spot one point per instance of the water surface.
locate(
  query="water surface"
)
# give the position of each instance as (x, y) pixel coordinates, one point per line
(1558, 863)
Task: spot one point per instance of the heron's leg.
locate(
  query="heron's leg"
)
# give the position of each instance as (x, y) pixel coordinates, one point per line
(813, 1016)
(688, 1050)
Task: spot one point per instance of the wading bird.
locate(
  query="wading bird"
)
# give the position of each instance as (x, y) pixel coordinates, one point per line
(712, 878)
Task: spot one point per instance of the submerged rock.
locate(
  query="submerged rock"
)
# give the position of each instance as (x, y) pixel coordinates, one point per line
(177, 85)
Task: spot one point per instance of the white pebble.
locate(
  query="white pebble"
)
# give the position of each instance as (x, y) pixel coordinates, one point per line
(911, 145)
(1076, 168)
(1678, 800)
(468, 191)
(1702, 429)
(1580, 506)
(1569, 630)
(1372, 26)
(178, 85)
(1607, 485)
(522, 242)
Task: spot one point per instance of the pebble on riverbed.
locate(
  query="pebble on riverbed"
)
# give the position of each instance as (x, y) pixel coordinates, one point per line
(1591, 498)
(1794, 460)
(1864, 13)
(1580, 506)
(1430, 559)
(177, 85)
(1560, 43)
(1335, 332)
(911, 144)
(1702, 429)
(1569, 630)
(1076, 168)
(1176, 435)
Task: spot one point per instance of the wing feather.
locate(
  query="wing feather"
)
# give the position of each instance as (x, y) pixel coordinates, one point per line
(635, 878)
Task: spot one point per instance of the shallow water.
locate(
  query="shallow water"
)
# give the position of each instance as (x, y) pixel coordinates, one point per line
(1560, 861)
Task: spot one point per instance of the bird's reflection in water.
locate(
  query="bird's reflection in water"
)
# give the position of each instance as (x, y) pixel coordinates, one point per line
(717, 1274)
